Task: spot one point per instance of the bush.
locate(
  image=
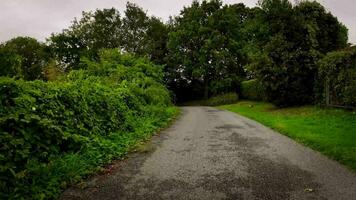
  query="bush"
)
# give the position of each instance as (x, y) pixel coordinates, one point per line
(337, 75)
(253, 90)
(84, 120)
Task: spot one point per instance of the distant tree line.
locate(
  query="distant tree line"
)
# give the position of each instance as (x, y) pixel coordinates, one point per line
(207, 50)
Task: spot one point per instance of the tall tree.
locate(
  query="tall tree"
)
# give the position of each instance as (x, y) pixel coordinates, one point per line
(330, 33)
(26, 56)
(156, 40)
(135, 26)
(204, 49)
(85, 37)
(287, 65)
(10, 63)
(106, 29)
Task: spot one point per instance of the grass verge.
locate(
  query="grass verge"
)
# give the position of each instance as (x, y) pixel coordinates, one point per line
(329, 131)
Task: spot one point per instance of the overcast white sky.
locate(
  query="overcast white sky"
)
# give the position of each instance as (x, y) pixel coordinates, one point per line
(40, 18)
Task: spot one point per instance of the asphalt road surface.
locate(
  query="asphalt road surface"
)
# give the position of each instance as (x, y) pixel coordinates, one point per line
(213, 154)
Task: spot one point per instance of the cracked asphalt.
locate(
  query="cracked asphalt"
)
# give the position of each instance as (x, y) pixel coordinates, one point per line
(212, 154)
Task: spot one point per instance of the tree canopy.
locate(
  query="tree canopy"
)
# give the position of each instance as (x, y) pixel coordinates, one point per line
(297, 36)
(205, 50)
(23, 57)
(135, 32)
(85, 37)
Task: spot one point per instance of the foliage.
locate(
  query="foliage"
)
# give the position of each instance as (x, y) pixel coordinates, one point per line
(144, 35)
(253, 90)
(134, 33)
(330, 131)
(85, 37)
(23, 57)
(52, 71)
(10, 63)
(135, 25)
(287, 66)
(330, 33)
(96, 114)
(337, 72)
(156, 42)
(204, 56)
(283, 77)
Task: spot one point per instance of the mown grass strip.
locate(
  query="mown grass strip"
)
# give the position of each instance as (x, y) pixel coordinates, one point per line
(329, 131)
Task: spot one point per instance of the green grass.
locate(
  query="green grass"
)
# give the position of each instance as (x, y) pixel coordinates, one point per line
(329, 131)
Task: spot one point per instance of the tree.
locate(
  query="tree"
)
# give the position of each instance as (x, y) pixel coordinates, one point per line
(204, 49)
(330, 33)
(85, 37)
(135, 26)
(10, 63)
(144, 35)
(287, 66)
(24, 57)
(156, 41)
(105, 29)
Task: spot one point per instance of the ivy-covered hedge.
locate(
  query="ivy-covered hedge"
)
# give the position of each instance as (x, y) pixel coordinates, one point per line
(337, 78)
(54, 133)
(253, 90)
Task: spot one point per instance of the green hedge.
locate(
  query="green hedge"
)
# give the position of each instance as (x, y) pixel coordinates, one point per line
(54, 133)
(222, 99)
(253, 90)
(337, 74)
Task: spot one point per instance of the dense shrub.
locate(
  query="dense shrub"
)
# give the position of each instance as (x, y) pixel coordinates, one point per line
(253, 90)
(101, 110)
(337, 75)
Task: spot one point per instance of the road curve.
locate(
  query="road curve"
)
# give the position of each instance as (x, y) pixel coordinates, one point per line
(214, 154)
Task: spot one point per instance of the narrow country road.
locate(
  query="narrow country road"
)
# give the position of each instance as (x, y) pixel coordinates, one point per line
(213, 154)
